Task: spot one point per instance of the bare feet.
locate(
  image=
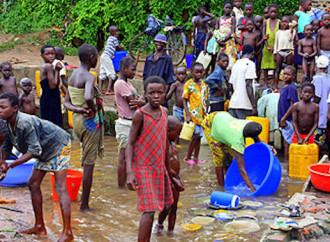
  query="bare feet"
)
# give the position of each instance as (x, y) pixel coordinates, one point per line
(37, 229)
(85, 209)
(66, 237)
(159, 229)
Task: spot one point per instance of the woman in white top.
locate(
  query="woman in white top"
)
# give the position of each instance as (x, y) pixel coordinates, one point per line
(283, 46)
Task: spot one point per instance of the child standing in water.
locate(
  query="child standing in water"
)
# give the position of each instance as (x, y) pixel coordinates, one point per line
(227, 26)
(172, 154)
(194, 102)
(283, 46)
(308, 50)
(50, 101)
(147, 166)
(83, 98)
(7, 82)
(270, 27)
(26, 99)
(305, 114)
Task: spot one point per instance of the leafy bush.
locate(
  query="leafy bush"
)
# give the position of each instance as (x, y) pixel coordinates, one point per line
(90, 19)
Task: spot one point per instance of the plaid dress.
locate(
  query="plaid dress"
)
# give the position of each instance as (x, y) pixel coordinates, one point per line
(154, 187)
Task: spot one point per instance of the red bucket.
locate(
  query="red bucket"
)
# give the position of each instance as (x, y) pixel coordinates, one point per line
(73, 181)
(320, 176)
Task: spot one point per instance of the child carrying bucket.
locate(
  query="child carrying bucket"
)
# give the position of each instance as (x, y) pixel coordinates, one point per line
(51, 145)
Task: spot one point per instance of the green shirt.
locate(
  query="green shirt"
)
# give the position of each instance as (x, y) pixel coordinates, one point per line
(229, 131)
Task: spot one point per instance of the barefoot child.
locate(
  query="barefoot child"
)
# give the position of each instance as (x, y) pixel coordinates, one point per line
(147, 166)
(323, 38)
(288, 96)
(50, 101)
(173, 132)
(283, 46)
(249, 8)
(308, 50)
(26, 99)
(194, 103)
(177, 88)
(305, 114)
(51, 145)
(127, 100)
(218, 84)
(258, 23)
(7, 82)
(270, 27)
(83, 98)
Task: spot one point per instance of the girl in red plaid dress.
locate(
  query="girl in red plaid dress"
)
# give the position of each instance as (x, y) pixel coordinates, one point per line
(145, 156)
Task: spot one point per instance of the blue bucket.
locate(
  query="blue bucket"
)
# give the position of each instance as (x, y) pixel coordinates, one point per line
(263, 168)
(118, 56)
(224, 199)
(19, 175)
(189, 59)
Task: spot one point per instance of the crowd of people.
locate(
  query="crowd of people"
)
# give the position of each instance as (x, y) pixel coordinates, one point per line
(241, 47)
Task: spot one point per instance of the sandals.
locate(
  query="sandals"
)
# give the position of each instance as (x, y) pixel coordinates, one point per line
(284, 226)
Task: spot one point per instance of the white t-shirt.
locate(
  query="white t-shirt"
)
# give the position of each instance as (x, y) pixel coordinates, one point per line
(243, 69)
(63, 70)
(284, 40)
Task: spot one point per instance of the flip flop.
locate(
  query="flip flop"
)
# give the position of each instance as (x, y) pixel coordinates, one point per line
(280, 226)
(201, 161)
(179, 146)
(190, 162)
(109, 93)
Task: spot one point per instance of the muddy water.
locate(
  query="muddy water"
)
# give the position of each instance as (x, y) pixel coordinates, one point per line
(115, 217)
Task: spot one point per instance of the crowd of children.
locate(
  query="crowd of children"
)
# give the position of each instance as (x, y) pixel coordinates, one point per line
(241, 46)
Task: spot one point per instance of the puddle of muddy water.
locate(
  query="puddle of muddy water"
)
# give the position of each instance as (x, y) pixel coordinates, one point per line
(115, 217)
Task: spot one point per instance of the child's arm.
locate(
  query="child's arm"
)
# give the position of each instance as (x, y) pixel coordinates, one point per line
(314, 49)
(20, 99)
(208, 37)
(319, 42)
(133, 134)
(264, 33)
(185, 106)
(238, 40)
(68, 105)
(316, 122)
(172, 90)
(286, 115)
(300, 47)
(89, 92)
(295, 123)
(249, 90)
(210, 15)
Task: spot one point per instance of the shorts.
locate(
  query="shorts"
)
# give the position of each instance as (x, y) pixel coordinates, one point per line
(198, 130)
(287, 132)
(240, 113)
(106, 69)
(284, 54)
(58, 163)
(217, 106)
(122, 128)
(178, 112)
(303, 136)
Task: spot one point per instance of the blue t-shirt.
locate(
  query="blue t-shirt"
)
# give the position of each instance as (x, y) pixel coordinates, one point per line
(218, 78)
(287, 94)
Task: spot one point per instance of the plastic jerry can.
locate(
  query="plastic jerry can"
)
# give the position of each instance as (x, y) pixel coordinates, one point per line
(277, 139)
(204, 59)
(300, 157)
(264, 135)
(38, 86)
(187, 131)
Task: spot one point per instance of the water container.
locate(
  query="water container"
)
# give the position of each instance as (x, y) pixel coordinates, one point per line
(320, 176)
(70, 120)
(300, 157)
(38, 86)
(95, 74)
(277, 139)
(204, 59)
(263, 168)
(264, 135)
(224, 199)
(189, 59)
(118, 56)
(187, 131)
(73, 182)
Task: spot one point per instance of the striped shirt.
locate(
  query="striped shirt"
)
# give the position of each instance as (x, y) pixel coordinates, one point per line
(110, 46)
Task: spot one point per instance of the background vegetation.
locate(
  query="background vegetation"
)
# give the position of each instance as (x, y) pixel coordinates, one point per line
(89, 19)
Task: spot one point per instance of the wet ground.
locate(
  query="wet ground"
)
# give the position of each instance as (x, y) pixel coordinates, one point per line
(115, 217)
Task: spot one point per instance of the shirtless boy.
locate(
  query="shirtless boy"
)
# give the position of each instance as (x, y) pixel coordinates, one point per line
(177, 88)
(172, 154)
(7, 82)
(305, 116)
(26, 99)
(258, 25)
(308, 50)
(323, 38)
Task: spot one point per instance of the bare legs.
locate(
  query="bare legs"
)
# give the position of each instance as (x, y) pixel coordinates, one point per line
(145, 226)
(110, 85)
(87, 184)
(121, 169)
(308, 66)
(194, 146)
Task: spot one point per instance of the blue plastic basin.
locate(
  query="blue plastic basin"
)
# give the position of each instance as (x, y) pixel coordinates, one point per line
(118, 56)
(19, 175)
(263, 168)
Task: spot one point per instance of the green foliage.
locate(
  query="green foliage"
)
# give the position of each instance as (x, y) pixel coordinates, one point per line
(89, 20)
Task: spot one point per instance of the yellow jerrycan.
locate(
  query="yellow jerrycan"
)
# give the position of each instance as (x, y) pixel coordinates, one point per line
(300, 157)
(38, 86)
(187, 131)
(264, 135)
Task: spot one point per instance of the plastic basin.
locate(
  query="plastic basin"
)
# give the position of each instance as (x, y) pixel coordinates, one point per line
(73, 181)
(19, 175)
(320, 176)
(118, 56)
(189, 59)
(263, 168)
